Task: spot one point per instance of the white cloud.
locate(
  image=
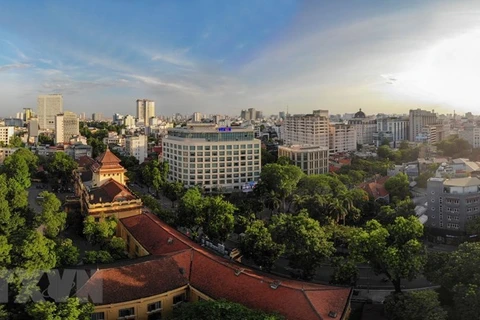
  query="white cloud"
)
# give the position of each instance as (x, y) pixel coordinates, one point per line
(13, 66)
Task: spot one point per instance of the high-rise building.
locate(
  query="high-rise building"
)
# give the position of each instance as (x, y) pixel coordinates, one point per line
(27, 114)
(252, 114)
(97, 116)
(197, 117)
(309, 129)
(48, 106)
(129, 121)
(365, 127)
(137, 146)
(311, 159)
(66, 126)
(393, 129)
(472, 135)
(342, 138)
(6, 132)
(145, 110)
(418, 119)
(213, 157)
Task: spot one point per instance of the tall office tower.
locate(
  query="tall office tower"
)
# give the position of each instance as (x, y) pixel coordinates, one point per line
(307, 129)
(364, 126)
(252, 114)
(48, 106)
(97, 116)
(393, 129)
(418, 119)
(145, 110)
(66, 126)
(197, 117)
(244, 115)
(27, 114)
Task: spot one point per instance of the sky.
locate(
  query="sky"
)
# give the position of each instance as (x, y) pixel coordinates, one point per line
(219, 57)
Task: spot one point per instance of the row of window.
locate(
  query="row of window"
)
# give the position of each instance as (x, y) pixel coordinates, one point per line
(153, 310)
(207, 148)
(210, 153)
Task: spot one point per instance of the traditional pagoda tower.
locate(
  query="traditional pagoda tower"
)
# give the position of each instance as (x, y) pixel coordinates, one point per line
(108, 167)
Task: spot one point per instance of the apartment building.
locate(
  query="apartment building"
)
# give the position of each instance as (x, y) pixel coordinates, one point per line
(418, 119)
(451, 203)
(66, 127)
(6, 132)
(393, 129)
(311, 159)
(342, 138)
(310, 129)
(48, 106)
(472, 135)
(213, 157)
(137, 146)
(145, 110)
(365, 127)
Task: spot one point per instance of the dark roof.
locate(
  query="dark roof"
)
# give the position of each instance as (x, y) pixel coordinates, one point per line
(136, 281)
(110, 191)
(360, 114)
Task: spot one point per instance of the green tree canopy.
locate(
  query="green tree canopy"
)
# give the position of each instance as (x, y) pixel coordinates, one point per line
(454, 147)
(67, 253)
(71, 309)
(220, 310)
(398, 187)
(394, 250)
(414, 305)
(51, 217)
(305, 241)
(61, 167)
(259, 246)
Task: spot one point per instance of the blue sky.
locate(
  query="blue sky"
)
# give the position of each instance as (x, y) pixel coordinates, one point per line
(223, 56)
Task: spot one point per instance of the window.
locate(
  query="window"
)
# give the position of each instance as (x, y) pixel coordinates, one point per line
(98, 316)
(179, 298)
(154, 307)
(123, 313)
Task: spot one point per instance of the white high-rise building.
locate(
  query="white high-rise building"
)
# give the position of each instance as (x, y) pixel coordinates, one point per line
(418, 119)
(129, 121)
(145, 110)
(343, 138)
(197, 117)
(48, 106)
(137, 146)
(213, 157)
(309, 129)
(393, 129)
(6, 132)
(66, 127)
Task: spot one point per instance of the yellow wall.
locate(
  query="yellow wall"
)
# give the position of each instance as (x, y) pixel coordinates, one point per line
(140, 306)
(123, 232)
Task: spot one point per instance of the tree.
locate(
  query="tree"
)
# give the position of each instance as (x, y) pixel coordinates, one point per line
(259, 246)
(220, 310)
(398, 187)
(67, 253)
(454, 147)
(190, 210)
(35, 252)
(44, 139)
(61, 168)
(473, 226)
(281, 179)
(29, 157)
(101, 256)
(305, 241)
(394, 250)
(51, 217)
(99, 232)
(402, 208)
(71, 309)
(384, 151)
(173, 191)
(414, 305)
(15, 142)
(16, 167)
(267, 157)
(117, 248)
(218, 219)
(345, 271)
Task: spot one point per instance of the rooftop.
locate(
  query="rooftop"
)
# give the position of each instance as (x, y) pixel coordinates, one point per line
(462, 182)
(110, 191)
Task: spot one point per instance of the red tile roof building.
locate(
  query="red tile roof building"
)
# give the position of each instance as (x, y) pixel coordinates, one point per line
(178, 259)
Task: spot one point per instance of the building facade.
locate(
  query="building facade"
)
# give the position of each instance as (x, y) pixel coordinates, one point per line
(451, 203)
(66, 127)
(6, 132)
(418, 119)
(48, 106)
(472, 135)
(215, 158)
(137, 146)
(342, 138)
(311, 159)
(309, 129)
(145, 110)
(395, 130)
(365, 127)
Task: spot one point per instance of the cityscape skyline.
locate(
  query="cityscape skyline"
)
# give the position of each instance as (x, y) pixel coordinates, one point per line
(209, 56)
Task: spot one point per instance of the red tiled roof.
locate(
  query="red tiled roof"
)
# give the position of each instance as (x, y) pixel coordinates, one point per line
(136, 281)
(375, 189)
(154, 237)
(110, 191)
(295, 300)
(215, 276)
(108, 158)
